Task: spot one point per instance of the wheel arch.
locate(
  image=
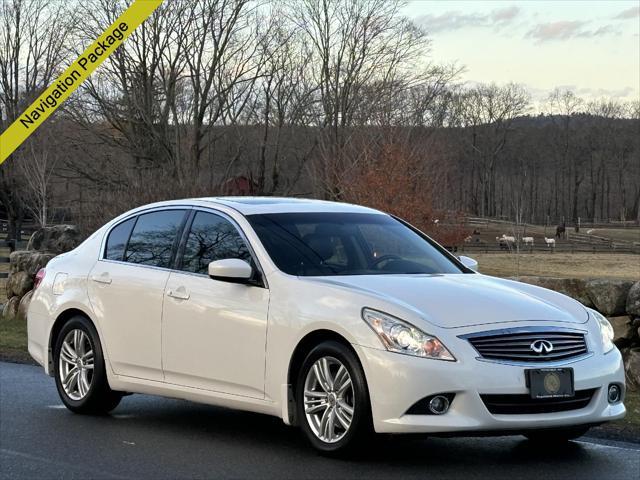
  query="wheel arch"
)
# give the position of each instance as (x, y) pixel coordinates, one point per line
(303, 347)
(59, 322)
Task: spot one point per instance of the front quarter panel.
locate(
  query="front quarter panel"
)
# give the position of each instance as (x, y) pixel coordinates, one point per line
(301, 306)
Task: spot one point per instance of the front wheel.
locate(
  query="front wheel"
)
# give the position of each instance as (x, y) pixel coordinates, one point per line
(556, 435)
(332, 399)
(80, 372)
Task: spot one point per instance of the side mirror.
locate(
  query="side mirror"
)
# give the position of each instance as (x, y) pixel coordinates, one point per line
(469, 262)
(231, 270)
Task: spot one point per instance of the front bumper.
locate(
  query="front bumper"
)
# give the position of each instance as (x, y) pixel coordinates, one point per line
(397, 381)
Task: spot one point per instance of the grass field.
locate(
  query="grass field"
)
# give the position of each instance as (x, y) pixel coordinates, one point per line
(616, 234)
(491, 230)
(568, 265)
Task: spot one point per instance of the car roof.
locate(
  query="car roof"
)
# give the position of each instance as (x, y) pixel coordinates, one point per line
(261, 205)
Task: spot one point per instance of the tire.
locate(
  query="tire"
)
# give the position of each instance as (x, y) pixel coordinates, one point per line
(90, 393)
(342, 395)
(556, 435)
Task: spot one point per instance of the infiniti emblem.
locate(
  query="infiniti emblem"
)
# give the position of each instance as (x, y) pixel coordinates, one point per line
(541, 346)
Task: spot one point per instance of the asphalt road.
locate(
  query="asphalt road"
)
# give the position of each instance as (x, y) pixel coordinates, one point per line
(150, 437)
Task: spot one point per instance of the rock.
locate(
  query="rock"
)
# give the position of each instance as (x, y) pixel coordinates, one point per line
(10, 310)
(19, 283)
(609, 297)
(633, 300)
(632, 368)
(28, 261)
(55, 239)
(624, 331)
(572, 287)
(24, 306)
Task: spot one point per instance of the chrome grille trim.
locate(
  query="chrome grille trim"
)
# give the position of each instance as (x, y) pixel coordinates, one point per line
(514, 344)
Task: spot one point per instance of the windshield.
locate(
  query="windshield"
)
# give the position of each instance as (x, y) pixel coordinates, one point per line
(326, 244)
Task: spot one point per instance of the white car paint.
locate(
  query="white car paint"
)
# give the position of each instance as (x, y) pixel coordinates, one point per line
(188, 336)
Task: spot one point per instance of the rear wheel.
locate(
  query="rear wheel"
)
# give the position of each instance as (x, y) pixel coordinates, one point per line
(556, 435)
(80, 372)
(332, 399)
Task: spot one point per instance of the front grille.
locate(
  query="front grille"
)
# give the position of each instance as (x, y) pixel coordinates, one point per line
(516, 345)
(524, 404)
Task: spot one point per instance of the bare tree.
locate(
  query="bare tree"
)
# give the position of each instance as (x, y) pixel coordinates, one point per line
(488, 113)
(32, 50)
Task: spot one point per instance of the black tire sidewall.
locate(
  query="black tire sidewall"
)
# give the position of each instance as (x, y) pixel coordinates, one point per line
(361, 425)
(99, 385)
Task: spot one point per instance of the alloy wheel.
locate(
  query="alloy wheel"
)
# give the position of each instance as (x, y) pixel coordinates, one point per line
(75, 366)
(328, 399)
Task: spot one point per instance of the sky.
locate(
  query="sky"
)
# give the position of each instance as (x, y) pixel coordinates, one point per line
(590, 47)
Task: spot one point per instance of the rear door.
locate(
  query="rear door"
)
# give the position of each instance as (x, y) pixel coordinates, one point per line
(214, 332)
(126, 289)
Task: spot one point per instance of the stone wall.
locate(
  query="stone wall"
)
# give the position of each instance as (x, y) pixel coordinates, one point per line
(619, 301)
(44, 244)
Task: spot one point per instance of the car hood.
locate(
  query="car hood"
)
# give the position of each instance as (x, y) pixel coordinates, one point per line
(463, 300)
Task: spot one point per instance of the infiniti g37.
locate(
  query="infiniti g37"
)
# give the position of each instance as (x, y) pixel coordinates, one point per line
(337, 318)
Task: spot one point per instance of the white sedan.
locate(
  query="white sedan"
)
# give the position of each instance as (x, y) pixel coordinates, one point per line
(338, 318)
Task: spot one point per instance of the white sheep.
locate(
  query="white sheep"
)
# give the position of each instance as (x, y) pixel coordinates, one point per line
(551, 242)
(527, 240)
(508, 239)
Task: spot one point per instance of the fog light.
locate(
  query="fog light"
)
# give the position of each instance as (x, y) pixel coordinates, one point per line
(615, 393)
(439, 405)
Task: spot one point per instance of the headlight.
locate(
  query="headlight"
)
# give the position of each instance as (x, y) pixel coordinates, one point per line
(606, 330)
(402, 337)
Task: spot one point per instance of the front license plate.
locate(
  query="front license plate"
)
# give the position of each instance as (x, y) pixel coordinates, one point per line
(550, 382)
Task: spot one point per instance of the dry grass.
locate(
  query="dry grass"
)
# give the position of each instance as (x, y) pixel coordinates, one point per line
(4, 267)
(3, 290)
(568, 265)
(616, 234)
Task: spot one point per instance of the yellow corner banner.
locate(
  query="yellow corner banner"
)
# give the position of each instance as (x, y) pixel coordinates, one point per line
(78, 72)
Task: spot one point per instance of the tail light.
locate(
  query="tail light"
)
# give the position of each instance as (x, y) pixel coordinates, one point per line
(39, 277)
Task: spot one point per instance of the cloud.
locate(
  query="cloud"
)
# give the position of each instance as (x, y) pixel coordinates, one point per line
(564, 30)
(624, 92)
(505, 14)
(632, 12)
(555, 30)
(456, 20)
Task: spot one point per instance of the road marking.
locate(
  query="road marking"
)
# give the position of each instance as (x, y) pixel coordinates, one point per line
(57, 407)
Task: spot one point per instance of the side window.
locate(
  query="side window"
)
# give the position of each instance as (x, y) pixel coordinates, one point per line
(212, 238)
(117, 240)
(153, 237)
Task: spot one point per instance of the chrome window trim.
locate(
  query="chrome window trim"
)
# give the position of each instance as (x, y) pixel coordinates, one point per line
(234, 223)
(103, 242)
(212, 210)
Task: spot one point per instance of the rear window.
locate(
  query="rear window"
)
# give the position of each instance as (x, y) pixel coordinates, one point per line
(117, 240)
(153, 238)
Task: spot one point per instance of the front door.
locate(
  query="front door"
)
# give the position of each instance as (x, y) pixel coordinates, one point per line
(214, 332)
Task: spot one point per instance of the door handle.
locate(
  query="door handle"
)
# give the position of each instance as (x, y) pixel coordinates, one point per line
(179, 293)
(102, 278)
